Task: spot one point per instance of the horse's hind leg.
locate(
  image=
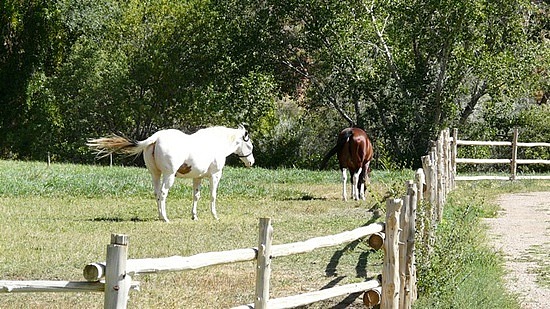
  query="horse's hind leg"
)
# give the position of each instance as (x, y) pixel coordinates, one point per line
(156, 186)
(167, 182)
(355, 185)
(149, 158)
(196, 196)
(214, 182)
(344, 180)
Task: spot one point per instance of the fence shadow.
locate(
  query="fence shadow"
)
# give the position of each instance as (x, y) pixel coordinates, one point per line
(360, 268)
(346, 302)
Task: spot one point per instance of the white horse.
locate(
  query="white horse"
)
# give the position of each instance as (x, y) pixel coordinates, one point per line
(172, 153)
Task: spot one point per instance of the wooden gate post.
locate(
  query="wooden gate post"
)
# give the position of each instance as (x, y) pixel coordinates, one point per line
(390, 270)
(117, 282)
(263, 269)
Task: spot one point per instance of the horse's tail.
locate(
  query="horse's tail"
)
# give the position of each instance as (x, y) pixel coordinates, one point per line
(332, 152)
(105, 146)
(342, 139)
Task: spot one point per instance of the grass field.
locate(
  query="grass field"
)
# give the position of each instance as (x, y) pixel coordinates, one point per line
(56, 220)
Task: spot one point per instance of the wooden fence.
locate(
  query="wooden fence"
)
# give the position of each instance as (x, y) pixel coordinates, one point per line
(395, 288)
(437, 178)
(114, 277)
(513, 161)
(398, 245)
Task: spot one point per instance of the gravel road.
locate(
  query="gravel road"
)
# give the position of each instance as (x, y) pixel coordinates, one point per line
(522, 232)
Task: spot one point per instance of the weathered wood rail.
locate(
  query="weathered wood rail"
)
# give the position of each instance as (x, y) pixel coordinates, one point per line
(263, 254)
(513, 161)
(395, 288)
(114, 276)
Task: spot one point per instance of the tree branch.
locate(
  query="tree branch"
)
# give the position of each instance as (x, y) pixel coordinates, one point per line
(387, 52)
(474, 99)
(333, 102)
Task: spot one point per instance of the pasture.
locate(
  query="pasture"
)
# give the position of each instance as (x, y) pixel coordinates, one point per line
(56, 220)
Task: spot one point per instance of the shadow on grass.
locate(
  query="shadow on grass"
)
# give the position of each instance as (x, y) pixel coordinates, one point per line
(118, 219)
(360, 268)
(305, 197)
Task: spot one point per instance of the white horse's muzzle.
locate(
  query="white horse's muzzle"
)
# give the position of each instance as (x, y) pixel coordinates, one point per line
(248, 160)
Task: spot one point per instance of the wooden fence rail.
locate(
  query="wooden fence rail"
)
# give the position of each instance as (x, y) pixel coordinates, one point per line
(263, 254)
(114, 277)
(513, 161)
(396, 288)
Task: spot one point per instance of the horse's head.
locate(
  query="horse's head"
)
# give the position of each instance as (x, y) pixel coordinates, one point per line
(245, 147)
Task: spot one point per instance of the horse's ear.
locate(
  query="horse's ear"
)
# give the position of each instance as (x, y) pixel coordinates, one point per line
(243, 126)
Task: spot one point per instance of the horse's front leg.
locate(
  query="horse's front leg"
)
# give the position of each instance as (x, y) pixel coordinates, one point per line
(214, 182)
(362, 191)
(196, 196)
(167, 182)
(344, 180)
(365, 181)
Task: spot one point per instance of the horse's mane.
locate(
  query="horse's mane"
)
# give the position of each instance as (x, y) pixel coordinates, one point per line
(219, 133)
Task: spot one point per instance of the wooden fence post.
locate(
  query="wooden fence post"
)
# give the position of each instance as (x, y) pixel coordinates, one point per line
(403, 236)
(411, 291)
(514, 162)
(435, 184)
(390, 270)
(454, 153)
(117, 282)
(427, 206)
(263, 269)
(448, 154)
(440, 163)
(420, 179)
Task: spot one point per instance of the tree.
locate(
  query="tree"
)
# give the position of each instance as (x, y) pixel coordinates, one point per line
(406, 69)
(30, 48)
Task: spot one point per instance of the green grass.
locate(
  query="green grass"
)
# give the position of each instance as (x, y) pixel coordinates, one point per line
(56, 220)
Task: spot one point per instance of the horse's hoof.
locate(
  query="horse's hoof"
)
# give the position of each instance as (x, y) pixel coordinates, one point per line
(195, 218)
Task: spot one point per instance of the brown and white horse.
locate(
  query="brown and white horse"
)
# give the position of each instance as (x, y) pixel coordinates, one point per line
(172, 153)
(355, 152)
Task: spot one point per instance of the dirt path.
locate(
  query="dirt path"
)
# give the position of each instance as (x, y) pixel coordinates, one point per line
(522, 232)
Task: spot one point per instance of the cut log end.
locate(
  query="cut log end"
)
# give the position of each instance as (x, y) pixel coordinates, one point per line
(371, 298)
(376, 241)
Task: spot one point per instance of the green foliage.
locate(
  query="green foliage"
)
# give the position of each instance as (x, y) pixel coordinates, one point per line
(402, 70)
(534, 128)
